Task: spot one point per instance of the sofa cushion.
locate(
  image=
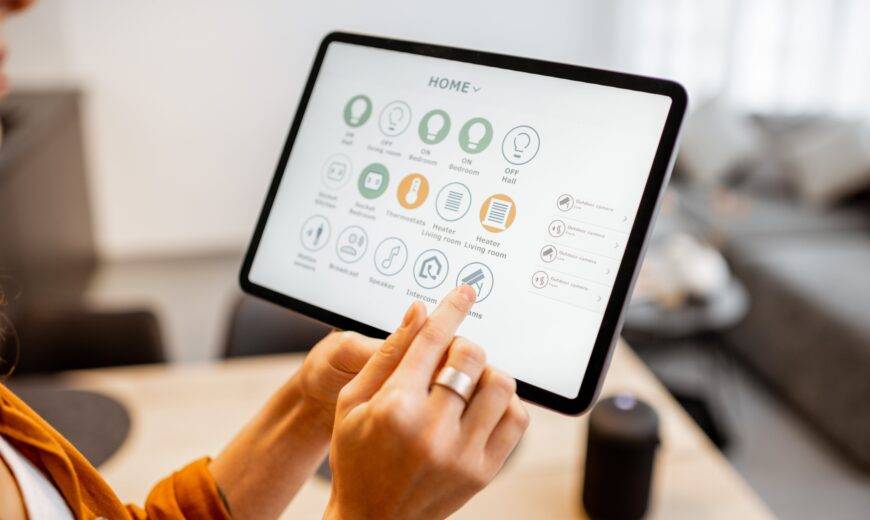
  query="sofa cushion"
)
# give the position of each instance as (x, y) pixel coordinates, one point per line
(727, 215)
(808, 331)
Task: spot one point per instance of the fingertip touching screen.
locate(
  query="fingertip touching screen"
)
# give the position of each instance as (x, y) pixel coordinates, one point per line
(411, 174)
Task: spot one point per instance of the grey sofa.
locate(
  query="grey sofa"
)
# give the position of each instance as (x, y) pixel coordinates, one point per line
(808, 331)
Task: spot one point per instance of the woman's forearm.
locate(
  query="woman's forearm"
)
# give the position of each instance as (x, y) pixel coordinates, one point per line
(262, 469)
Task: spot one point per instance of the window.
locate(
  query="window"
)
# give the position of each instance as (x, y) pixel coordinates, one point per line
(785, 56)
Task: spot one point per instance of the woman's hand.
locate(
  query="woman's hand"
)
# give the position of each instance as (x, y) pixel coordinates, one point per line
(262, 469)
(400, 450)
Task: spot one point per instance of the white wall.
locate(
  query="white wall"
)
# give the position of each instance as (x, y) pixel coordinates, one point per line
(188, 103)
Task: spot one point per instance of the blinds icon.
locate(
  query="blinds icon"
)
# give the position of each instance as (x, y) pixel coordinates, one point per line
(497, 213)
(454, 201)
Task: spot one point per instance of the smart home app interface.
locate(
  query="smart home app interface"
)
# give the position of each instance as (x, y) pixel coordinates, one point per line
(411, 175)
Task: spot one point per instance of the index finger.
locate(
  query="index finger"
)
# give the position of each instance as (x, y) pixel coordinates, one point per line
(429, 345)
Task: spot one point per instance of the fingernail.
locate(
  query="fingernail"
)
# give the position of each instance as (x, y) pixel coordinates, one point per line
(467, 292)
(409, 315)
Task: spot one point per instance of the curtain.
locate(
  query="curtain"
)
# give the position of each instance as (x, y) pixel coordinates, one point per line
(769, 56)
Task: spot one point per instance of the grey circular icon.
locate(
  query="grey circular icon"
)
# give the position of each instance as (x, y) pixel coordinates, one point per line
(351, 244)
(391, 255)
(336, 171)
(556, 228)
(479, 277)
(430, 269)
(540, 279)
(395, 118)
(549, 253)
(315, 233)
(565, 202)
(520, 145)
(453, 201)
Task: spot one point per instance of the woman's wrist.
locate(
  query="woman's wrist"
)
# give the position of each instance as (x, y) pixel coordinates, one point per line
(299, 413)
(264, 466)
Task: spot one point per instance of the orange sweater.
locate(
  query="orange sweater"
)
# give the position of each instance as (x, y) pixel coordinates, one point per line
(190, 493)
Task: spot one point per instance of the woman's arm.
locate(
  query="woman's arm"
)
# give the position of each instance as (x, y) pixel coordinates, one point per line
(262, 469)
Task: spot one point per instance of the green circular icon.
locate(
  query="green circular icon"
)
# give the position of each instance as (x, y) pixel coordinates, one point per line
(475, 135)
(373, 181)
(358, 110)
(434, 127)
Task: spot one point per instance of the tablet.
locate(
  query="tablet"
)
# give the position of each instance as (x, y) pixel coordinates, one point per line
(412, 168)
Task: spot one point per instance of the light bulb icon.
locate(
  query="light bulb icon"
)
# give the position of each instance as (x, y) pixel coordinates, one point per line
(357, 110)
(434, 125)
(394, 117)
(521, 143)
(476, 132)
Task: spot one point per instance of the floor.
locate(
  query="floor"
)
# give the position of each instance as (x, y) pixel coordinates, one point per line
(784, 461)
(790, 466)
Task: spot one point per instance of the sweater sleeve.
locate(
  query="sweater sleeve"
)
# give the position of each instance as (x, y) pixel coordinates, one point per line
(189, 494)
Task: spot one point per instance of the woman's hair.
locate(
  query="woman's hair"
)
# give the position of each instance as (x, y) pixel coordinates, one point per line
(8, 342)
(17, 5)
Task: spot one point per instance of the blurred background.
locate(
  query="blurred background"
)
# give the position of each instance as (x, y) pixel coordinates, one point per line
(139, 140)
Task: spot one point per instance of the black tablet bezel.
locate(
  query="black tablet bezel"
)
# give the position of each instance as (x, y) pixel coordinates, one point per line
(659, 172)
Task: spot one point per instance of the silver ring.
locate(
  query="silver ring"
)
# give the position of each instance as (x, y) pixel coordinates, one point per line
(456, 381)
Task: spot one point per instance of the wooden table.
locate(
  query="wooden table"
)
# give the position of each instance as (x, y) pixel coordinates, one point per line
(181, 412)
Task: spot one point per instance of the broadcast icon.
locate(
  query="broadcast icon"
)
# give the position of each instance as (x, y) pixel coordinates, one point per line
(351, 244)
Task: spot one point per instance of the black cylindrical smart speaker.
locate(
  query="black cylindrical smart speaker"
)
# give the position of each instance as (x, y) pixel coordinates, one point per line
(620, 451)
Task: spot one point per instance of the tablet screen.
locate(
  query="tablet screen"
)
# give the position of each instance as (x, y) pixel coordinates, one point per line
(411, 174)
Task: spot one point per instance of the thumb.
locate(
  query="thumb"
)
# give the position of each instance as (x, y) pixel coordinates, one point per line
(351, 351)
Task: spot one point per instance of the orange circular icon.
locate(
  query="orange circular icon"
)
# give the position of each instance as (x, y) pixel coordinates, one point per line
(413, 191)
(498, 213)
